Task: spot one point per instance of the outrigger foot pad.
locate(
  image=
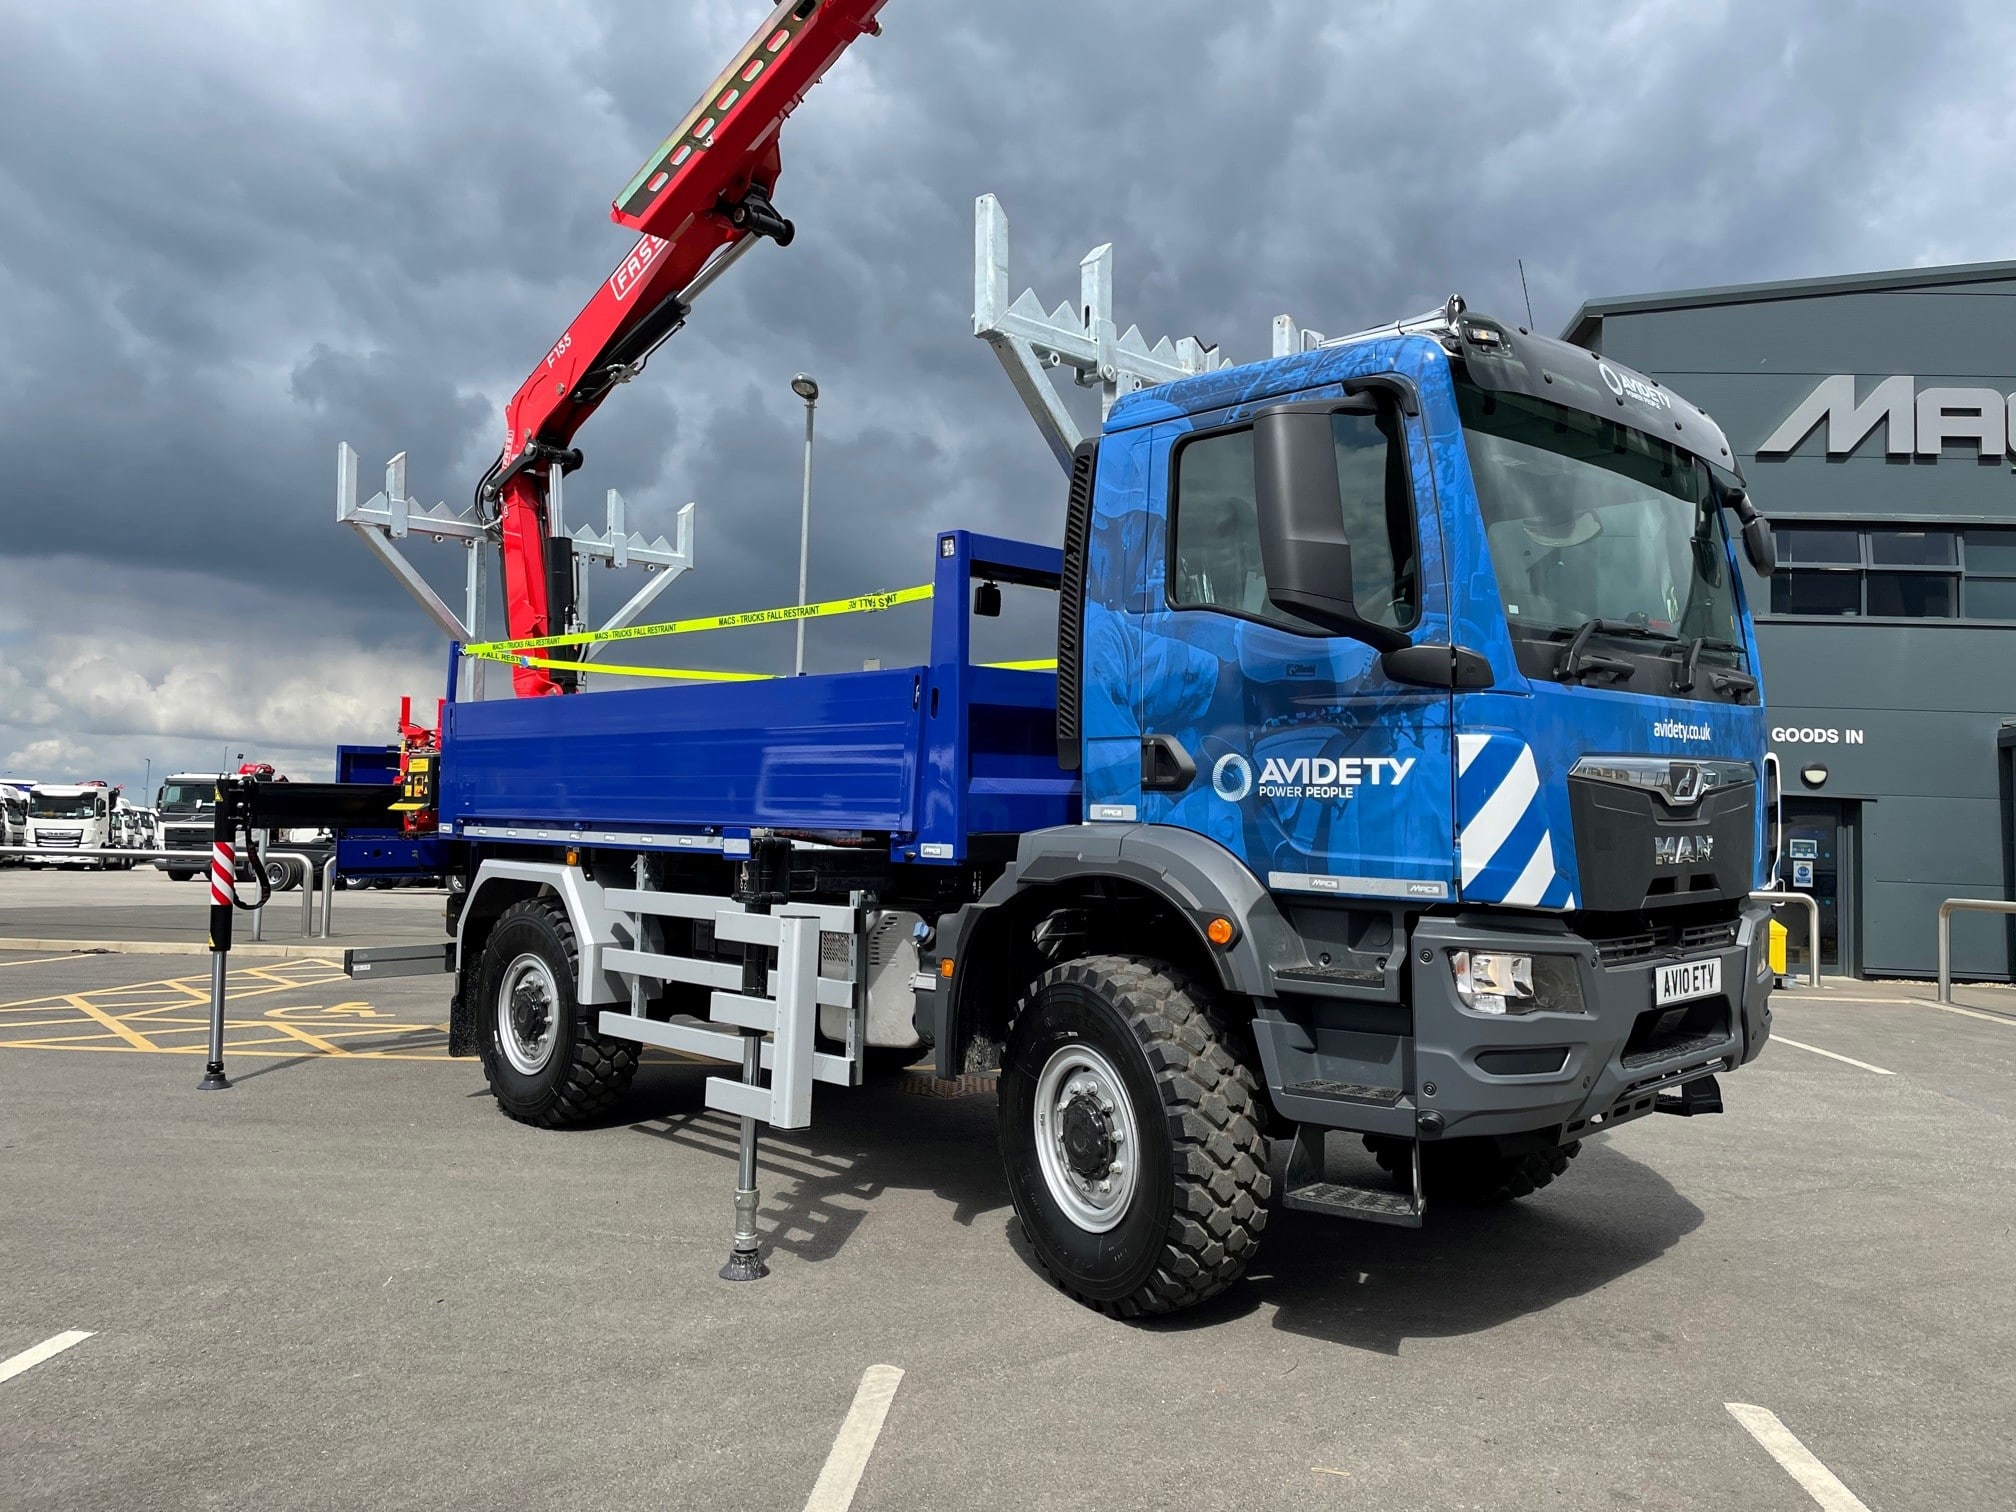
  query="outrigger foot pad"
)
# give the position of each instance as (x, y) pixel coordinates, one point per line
(745, 1260)
(214, 1080)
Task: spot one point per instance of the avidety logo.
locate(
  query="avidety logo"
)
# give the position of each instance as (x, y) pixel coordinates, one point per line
(1307, 776)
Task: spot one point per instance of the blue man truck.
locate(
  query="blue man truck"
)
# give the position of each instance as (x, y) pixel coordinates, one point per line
(1401, 775)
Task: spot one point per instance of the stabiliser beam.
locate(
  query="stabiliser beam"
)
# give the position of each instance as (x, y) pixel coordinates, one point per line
(709, 186)
(244, 805)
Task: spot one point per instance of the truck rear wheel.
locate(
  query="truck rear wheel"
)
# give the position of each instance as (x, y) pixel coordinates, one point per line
(1130, 1131)
(1471, 1171)
(544, 1061)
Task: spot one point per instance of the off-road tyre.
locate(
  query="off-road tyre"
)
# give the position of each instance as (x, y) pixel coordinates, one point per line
(1199, 1200)
(1471, 1172)
(584, 1073)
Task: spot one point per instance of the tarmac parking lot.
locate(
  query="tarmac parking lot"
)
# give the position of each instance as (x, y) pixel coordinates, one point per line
(350, 1281)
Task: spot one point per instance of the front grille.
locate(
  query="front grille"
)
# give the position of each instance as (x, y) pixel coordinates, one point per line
(58, 842)
(1649, 940)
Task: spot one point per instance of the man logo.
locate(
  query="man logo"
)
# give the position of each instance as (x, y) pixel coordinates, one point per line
(1682, 850)
(1232, 777)
(1684, 781)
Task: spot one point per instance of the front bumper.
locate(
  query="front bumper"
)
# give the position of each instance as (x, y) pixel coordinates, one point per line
(1488, 1074)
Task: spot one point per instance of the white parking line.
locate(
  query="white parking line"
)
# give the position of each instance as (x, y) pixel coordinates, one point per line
(48, 1349)
(856, 1441)
(1994, 1018)
(1779, 1039)
(1798, 1461)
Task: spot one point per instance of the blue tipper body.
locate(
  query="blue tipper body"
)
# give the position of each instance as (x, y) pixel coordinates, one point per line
(927, 755)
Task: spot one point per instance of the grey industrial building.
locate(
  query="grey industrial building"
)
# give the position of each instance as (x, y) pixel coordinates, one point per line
(1874, 416)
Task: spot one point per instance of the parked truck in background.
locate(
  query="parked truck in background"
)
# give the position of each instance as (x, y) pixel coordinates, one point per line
(13, 821)
(185, 807)
(64, 816)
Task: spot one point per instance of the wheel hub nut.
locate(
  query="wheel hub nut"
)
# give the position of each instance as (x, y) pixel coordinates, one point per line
(1087, 1138)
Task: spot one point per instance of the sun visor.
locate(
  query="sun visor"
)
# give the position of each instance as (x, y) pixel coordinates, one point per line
(1505, 361)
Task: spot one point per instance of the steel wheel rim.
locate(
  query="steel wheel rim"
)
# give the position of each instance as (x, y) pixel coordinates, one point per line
(528, 1014)
(1080, 1093)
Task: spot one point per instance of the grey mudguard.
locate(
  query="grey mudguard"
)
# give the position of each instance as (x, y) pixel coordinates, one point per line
(1196, 875)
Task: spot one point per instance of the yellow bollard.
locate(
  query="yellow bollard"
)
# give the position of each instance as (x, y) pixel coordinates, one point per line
(1778, 936)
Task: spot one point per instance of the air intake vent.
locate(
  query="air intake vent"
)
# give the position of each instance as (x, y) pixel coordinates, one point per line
(1071, 605)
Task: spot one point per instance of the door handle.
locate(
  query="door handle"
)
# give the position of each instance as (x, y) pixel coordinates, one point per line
(1165, 766)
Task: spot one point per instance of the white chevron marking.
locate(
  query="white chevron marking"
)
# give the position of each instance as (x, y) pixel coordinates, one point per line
(1536, 879)
(1498, 816)
(1467, 748)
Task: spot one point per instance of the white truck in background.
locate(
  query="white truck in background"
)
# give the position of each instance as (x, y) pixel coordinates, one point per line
(74, 816)
(185, 808)
(13, 821)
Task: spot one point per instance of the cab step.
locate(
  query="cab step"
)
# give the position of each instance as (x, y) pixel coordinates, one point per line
(1307, 1187)
(1377, 1097)
(1373, 1204)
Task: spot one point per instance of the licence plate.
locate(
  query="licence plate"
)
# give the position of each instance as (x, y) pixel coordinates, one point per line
(1687, 980)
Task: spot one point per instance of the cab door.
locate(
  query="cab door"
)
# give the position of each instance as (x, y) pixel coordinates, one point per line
(1290, 746)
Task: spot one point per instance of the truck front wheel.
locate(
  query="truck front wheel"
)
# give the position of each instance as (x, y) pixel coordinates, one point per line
(544, 1061)
(1130, 1131)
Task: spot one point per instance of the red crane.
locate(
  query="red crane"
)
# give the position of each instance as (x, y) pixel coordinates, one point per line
(706, 189)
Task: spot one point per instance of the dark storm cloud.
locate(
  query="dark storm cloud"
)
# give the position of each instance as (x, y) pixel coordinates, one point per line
(231, 237)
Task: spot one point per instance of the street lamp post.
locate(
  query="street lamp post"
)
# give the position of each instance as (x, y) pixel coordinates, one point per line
(805, 388)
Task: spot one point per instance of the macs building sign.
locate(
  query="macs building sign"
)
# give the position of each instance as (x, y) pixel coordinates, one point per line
(1919, 422)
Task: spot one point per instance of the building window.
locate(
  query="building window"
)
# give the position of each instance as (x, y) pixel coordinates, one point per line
(1895, 572)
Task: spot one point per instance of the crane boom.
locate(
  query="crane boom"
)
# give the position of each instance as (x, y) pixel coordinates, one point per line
(707, 188)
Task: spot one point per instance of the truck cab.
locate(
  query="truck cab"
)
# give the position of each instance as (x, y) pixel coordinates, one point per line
(72, 817)
(1437, 634)
(13, 821)
(185, 807)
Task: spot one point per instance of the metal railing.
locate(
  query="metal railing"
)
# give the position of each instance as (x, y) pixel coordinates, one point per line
(309, 873)
(1806, 900)
(1946, 911)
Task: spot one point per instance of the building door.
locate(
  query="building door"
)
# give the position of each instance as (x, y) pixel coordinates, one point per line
(1819, 859)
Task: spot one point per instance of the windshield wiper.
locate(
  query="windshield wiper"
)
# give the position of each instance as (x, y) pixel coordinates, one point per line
(1579, 661)
(1724, 679)
(1683, 676)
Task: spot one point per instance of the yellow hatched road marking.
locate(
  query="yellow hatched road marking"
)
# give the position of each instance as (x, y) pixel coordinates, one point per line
(91, 1010)
(170, 1017)
(308, 1039)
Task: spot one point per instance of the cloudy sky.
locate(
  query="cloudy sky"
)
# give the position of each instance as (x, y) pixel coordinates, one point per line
(234, 233)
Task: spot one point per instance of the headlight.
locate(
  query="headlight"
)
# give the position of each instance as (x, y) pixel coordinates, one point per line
(1493, 981)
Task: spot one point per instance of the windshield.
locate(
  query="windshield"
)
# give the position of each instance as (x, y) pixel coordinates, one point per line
(188, 798)
(1590, 519)
(62, 806)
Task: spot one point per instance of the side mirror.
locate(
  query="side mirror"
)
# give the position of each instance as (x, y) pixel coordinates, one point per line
(1758, 547)
(1302, 542)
